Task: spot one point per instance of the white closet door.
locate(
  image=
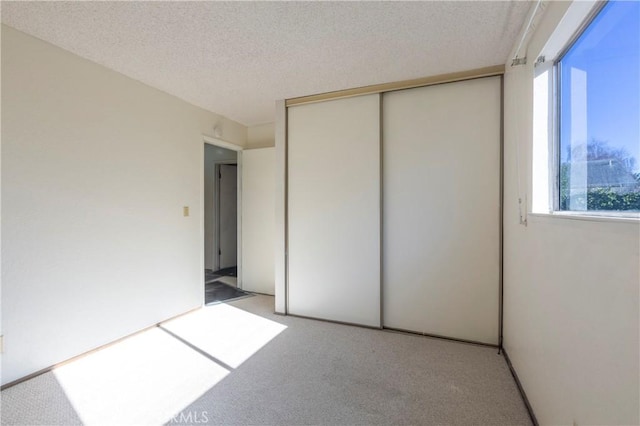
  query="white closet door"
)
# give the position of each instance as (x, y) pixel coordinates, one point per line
(441, 213)
(334, 210)
(258, 220)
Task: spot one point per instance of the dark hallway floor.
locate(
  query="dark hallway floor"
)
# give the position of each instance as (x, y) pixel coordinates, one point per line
(210, 275)
(218, 289)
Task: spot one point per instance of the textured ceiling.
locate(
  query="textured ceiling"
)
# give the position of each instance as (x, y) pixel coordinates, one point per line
(237, 58)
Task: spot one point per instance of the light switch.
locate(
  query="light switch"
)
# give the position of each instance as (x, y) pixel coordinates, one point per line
(185, 211)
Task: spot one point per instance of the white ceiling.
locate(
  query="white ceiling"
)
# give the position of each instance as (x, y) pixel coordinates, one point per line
(237, 58)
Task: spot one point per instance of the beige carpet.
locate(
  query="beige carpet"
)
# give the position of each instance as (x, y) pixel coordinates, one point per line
(238, 363)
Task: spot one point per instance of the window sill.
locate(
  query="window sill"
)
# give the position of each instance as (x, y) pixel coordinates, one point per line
(587, 217)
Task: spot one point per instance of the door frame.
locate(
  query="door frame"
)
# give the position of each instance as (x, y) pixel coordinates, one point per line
(210, 140)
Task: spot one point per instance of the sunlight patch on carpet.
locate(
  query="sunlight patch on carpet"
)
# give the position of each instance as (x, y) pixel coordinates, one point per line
(144, 379)
(227, 333)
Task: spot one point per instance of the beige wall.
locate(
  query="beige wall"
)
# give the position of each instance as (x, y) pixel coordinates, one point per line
(571, 287)
(261, 136)
(96, 168)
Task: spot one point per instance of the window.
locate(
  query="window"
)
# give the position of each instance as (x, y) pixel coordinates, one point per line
(599, 114)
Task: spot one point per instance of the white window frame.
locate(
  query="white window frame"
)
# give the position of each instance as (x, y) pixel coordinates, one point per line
(546, 123)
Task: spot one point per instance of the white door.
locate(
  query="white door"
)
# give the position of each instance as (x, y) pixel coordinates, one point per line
(228, 217)
(441, 209)
(258, 220)
(334, 210)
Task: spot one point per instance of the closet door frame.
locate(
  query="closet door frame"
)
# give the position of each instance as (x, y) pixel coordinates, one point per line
(282, 196)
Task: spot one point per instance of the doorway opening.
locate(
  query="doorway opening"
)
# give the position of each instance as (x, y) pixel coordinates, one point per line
(221, 225)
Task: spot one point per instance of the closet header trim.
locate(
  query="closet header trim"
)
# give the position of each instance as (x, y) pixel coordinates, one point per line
(399, 85)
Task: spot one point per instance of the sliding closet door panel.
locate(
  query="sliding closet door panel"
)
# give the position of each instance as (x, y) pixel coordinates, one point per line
(441, 213)
(334, 210)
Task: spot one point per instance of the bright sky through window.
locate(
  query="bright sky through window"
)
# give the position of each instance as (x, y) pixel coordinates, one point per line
(600, 112)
